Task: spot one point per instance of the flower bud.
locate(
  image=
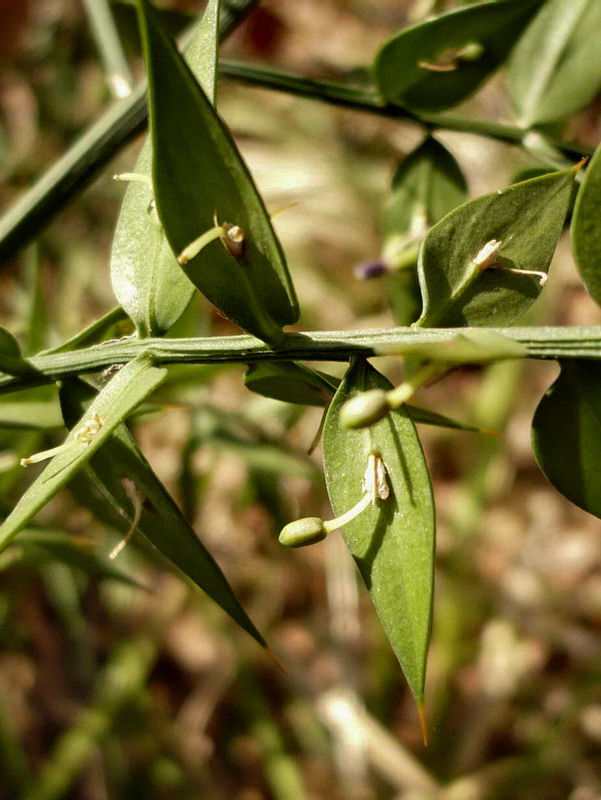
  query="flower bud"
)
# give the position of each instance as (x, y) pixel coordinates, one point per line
(302, 532)
(365, 409)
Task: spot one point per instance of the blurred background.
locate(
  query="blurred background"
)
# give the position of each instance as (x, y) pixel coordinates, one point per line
(118, 680)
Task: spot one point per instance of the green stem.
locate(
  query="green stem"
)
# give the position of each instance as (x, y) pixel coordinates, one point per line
(540, 342)
(117, 72)
(124, 120)
(367, 100)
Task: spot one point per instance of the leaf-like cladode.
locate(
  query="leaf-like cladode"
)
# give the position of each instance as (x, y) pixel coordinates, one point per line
(519, 227)
(111, 325)
(423, 416)
(133, 384)
(438, 63)
(426, 186)
(146, 278)
(11, 358)
(392, 542)
(161, 521)
(126, 19)
(566, 434)
(199, 178)
(586, 228)
(555, 69)
(291, 383)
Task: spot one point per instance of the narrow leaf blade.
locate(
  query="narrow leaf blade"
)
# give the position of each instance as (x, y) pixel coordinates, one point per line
(291, 383)
(133, 384)
(161, 523)
(146, 278)
(392, 543)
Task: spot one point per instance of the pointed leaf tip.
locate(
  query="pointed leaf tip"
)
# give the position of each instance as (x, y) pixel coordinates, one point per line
(423, 721)
(475, 266)
(276, 660)
(392, 541)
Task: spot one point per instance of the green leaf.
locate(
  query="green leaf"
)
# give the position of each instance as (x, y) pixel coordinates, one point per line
(130, 386)
(566, 434)
(199, 177)
(423, 416)
(427, 185)
(11, 358)
(438, 63)
(291, 383)
(393, 542)
(586, 228)
(404, 295)
(555, 68)
(161, 521)
(110, 325)
(525, 220)
(126, 20)
(146, 278)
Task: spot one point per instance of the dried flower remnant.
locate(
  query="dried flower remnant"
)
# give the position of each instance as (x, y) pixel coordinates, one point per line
(84, 434)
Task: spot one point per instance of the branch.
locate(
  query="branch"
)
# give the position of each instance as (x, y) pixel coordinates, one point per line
(122, 121)
(78, 167)
(367, 100)
(582, 342)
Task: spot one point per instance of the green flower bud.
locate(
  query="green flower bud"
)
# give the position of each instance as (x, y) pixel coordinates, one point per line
(302, 532)
(365, 409)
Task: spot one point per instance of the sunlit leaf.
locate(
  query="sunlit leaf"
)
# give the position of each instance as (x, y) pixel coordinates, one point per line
(161, 522)
(393, 542)
(566, 434)
(555, 68)
(474, 264)
(146, 278)
(438, 63)
(201, 183)
(118, 399)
